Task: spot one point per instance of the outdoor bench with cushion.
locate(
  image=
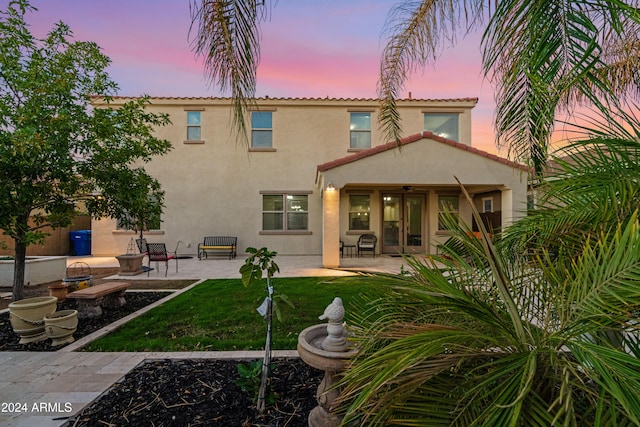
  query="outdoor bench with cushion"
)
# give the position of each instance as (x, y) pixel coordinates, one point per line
(218, 244)
(109, 294)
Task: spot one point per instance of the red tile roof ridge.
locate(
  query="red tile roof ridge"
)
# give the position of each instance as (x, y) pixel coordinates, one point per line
(413, 138)
(268, 98)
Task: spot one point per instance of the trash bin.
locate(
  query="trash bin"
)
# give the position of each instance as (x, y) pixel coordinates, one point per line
(80, 242)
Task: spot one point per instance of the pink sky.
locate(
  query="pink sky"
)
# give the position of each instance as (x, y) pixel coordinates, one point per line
(310, 48)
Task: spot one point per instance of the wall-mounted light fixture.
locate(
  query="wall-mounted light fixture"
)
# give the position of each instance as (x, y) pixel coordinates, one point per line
(330, 187)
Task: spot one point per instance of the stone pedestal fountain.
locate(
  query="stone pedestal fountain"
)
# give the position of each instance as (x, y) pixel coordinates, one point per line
(325, 347)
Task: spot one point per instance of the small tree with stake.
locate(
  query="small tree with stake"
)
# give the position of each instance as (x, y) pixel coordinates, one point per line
(260, 261)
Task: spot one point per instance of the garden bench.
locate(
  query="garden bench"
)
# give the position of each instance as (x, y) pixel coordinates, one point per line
(90, 300)
(223, 244)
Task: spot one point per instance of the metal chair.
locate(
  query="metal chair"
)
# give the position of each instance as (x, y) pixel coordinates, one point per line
(158, 252)
(367, 242)
(142, 245)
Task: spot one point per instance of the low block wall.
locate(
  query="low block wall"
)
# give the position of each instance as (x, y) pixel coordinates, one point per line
(37, 270)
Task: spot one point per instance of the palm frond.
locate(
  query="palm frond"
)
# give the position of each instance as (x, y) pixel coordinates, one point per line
(417, 32)
(591, 186)
(228, 37)
(504, 342)
(541, 54)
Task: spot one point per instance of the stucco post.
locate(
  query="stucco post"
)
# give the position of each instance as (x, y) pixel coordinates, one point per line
(331, 228)
(507, 207)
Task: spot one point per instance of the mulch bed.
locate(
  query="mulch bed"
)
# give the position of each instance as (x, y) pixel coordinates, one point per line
(198, 392)
(135, 301)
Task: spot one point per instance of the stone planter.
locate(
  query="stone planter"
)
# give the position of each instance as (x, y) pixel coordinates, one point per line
(27, 317)
(60, 326)
(130, 264)
(37, 270)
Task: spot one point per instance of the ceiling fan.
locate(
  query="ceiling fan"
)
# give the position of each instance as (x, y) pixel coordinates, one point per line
(408, 189)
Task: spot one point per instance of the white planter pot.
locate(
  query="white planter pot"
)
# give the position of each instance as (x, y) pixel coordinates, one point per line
(60, 326)
(27, 317)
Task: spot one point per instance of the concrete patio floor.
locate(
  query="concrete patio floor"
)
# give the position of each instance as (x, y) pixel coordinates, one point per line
(45, 388)
(223, 268)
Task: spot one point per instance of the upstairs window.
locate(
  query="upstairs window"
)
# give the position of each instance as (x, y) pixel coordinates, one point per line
(261, 129)
(445, 125)
(193, 126)
(360, 128)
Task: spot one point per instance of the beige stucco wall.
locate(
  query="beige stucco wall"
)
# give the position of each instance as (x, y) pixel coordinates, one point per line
(214, 187)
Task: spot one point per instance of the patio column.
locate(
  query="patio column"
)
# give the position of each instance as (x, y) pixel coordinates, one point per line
(507, 207)
(331, 227)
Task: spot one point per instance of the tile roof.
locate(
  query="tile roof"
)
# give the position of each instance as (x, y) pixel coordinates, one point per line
(268, 98)
(413, 138)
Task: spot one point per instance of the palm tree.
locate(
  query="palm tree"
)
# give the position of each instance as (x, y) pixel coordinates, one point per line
(590, 186)
(544, 56)
(500, 339)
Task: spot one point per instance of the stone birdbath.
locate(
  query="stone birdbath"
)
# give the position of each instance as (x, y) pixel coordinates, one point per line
(325, 347)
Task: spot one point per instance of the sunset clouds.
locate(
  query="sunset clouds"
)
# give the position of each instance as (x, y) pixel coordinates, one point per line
(309, 49)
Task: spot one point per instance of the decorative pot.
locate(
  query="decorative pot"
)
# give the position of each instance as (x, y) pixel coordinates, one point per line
(59, 291)
(130, 264)
(75, 283)
(60, 326)
(27, 317)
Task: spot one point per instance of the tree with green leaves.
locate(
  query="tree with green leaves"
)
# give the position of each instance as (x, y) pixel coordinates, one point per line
(58, 155)
(543, 56)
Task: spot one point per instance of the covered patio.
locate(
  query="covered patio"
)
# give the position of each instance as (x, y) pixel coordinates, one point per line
(399, 193)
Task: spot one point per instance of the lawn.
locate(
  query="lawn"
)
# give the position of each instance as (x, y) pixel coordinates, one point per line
(221, 315)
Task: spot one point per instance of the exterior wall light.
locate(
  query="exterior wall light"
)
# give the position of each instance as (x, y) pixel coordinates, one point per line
(330, 187)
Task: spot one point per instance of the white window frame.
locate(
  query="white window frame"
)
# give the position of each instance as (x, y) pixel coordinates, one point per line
(353, 131)
(359, 212)
(193, 126)
(440, 132)
(286, 211)
(269, 130)
(484, 204)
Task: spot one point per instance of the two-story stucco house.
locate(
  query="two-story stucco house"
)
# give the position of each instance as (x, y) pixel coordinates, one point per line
(318, 172)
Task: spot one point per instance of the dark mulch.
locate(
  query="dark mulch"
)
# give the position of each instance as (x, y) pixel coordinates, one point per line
(135, 301)
(202, 393)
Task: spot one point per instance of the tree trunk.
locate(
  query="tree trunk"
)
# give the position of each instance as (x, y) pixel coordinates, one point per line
(20, 256)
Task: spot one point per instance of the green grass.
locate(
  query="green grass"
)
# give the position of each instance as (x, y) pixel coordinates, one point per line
(221, 315)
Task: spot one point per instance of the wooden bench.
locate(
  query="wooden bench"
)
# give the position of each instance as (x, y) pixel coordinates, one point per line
(90, 300)
(217, 244)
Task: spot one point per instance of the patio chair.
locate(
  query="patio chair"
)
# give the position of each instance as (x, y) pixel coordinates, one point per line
(158, 252)
(142, 246)
(367, 242)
